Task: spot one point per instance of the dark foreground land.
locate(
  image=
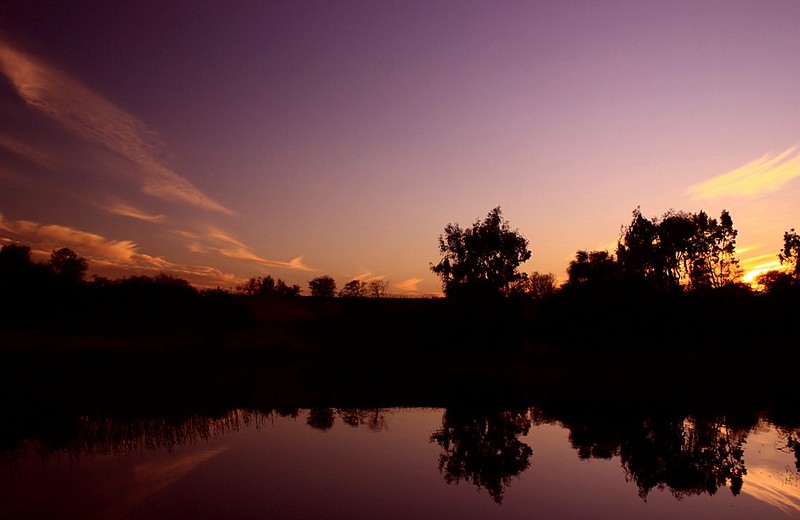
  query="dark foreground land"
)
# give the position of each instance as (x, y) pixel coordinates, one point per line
(613, 358)
(437, 350)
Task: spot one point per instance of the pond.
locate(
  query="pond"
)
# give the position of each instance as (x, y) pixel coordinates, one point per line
(404, 463)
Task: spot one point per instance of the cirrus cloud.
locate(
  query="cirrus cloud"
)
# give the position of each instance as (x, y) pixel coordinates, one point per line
(106, 256)
(93, 118)
(126, 210)
(409, 285)
(217, 241)
(766, 174)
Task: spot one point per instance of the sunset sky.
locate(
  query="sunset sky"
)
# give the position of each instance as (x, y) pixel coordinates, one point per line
(223, 140)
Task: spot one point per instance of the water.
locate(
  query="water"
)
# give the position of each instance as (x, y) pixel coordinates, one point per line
(403, 463)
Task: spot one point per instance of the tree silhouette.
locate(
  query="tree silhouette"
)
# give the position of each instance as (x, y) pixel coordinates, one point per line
(637, 249)
(592, 267)
(535, 285)
(713, 260)
(68, 267)
(15, 259)
(482, 260)
(680, 250)
(483, 449)
(775, 281)
(322, 286)
(354, 289)
(377, 288)
(791, 252)
(267, 286)
(17, 270)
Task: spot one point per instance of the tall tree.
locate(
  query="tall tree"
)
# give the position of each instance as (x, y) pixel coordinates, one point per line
(482, 260)
(681, 250)
(637, 249)
(791, 252)
(714, 263)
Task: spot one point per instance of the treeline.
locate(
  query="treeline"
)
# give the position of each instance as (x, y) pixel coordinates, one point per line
(57, 296)
(679, 253)
(321, 286)
(670, 278)
(674, 277)
(678, 277)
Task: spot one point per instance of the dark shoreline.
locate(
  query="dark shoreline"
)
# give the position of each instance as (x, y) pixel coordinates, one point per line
(165, 377)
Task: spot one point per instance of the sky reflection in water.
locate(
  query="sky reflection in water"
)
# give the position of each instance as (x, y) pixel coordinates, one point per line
(396, 463)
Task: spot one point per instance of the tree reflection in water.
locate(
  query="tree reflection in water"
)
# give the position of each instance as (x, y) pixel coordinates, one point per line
(375, 419)
(790, 438)
(686, 455)
(690, 457)
(117, 436)
(483, 448)
(683, 455)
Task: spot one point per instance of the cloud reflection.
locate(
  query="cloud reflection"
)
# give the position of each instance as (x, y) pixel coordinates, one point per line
(151, 478)
(769, 485)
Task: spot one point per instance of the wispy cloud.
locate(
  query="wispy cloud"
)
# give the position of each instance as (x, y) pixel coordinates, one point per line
(368, 276)
(754, 266)
(218, 241)
(110, 257)
(409, 285)
(126, 210)
(94, 246)
(91, 117)
(27, 151)
(766, 174)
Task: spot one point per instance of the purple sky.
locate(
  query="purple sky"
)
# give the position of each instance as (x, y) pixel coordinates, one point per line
(305, 138)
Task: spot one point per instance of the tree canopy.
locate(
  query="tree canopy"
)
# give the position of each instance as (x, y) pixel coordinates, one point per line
(535, 285)
(592, 268)
(354, 289)
(267, 286)
(322, 286)
(482, 260)
(790, 252)
(680, 250)
(68, 266)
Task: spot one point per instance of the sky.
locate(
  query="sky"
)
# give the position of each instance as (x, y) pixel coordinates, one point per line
(220, 141)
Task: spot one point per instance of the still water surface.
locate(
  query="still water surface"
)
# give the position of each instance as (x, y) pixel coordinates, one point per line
(402, 463)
